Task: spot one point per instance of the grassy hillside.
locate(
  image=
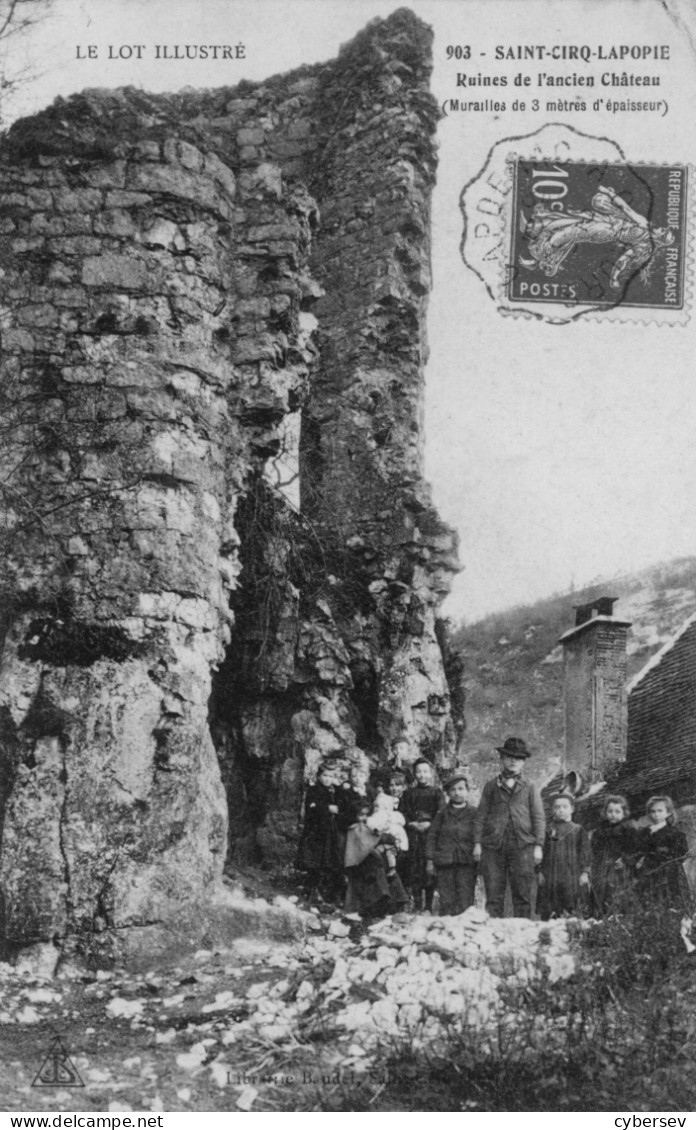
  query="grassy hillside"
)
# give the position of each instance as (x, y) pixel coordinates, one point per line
(514, 664)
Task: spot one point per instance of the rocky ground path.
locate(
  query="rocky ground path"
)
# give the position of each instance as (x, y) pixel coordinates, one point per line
(264, 1025)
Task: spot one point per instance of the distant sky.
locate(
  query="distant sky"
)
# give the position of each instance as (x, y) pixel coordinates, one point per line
(560, 453)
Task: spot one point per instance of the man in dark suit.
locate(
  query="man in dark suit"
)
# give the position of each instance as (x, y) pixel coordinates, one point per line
(509, 833)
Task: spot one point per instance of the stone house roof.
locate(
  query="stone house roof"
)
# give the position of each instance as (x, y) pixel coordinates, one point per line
(661, 745)
(661, 754)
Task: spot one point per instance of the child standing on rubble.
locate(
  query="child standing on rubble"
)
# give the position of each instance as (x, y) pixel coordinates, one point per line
(450, 848)
(420, 804)
(613, 850)
(563, 878)
(661, 850)
(327, 814)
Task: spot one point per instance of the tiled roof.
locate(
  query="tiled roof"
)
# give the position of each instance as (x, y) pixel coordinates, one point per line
(657, 658)
(661, 755)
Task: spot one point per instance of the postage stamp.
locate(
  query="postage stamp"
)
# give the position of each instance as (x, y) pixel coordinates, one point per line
(559, 225)
(598, 234)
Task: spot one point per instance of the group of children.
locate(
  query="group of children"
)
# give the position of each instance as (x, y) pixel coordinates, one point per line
(378, 854)
(646, 861)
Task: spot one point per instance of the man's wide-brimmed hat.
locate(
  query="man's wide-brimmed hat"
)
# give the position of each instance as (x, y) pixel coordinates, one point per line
(514, 747)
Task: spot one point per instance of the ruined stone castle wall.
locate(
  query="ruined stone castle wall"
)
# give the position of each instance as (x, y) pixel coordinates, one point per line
(183, 275)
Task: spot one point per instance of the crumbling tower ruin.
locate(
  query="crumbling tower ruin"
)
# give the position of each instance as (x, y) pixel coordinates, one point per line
(190, 281)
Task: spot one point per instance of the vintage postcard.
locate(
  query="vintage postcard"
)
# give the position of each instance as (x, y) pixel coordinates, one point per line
(347, 479)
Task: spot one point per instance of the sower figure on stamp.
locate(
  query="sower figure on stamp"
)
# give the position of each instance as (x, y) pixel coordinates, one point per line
(509, 832)
(553, 235)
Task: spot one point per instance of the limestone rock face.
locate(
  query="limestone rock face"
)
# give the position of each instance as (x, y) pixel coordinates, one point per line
(220, 561)
(116, 816)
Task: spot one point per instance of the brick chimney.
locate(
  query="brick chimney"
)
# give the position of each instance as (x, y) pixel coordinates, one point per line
(595, 698)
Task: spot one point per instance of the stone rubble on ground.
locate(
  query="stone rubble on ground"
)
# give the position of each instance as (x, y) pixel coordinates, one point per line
(414, 977)
(228, 1018)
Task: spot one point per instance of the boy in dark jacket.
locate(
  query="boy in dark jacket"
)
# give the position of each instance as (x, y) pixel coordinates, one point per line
(450, 848)
(509, 833)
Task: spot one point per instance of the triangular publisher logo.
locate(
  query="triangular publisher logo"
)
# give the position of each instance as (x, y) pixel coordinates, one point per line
(57, 1070)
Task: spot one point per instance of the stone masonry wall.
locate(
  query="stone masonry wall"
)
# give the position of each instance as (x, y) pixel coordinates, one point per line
(181, 275)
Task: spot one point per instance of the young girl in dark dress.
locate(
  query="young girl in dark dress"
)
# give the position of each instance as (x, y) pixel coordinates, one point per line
(564, 876)
(613, 847)
(661, 849)
(420, 804)
(328, 812)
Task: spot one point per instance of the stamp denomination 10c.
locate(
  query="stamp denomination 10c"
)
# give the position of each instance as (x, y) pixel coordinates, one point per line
(560, 226)
(598, 234)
